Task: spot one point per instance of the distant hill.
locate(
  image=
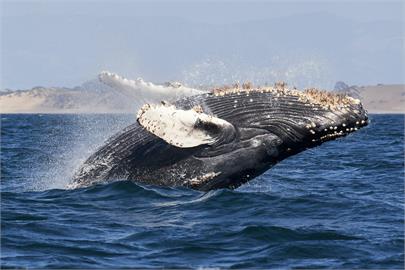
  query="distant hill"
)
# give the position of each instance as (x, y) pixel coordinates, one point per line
(96, 97)
(379, 98)
(109, 93)
(90, 97)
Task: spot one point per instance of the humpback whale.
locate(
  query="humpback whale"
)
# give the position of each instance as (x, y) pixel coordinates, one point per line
(221, 138)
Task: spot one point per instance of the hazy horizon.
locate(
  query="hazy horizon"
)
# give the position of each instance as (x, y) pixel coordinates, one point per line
(305, 43)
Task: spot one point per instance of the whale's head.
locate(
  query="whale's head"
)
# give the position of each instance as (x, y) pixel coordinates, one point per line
(272, 124)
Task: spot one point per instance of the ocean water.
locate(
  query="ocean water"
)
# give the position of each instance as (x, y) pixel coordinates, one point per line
(340, 205)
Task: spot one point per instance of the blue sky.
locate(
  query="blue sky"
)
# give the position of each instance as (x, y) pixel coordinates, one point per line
(64, 43)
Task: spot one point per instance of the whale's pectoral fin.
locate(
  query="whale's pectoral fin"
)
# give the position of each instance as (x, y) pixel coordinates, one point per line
(184, 128)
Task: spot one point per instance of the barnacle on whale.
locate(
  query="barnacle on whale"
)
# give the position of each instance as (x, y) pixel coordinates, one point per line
(311, 96)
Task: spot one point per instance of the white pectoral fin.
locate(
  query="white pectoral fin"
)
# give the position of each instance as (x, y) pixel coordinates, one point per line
(183, 128)
(130, 88)
(140, 89)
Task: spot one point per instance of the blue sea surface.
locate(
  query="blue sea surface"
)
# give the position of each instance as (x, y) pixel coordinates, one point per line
(340, 205)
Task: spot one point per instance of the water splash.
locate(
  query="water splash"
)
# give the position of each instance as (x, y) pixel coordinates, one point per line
(302, 72)
(67, 141)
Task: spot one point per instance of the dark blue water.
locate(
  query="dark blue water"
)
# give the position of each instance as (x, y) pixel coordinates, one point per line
(340, 205)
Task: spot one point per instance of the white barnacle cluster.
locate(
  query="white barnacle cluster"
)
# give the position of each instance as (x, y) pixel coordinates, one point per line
(310, 125)
(246, 89)
(327, 100)
(311, 97)
(203, 178)
(339, 130)
(198, 109)
(332, 135)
